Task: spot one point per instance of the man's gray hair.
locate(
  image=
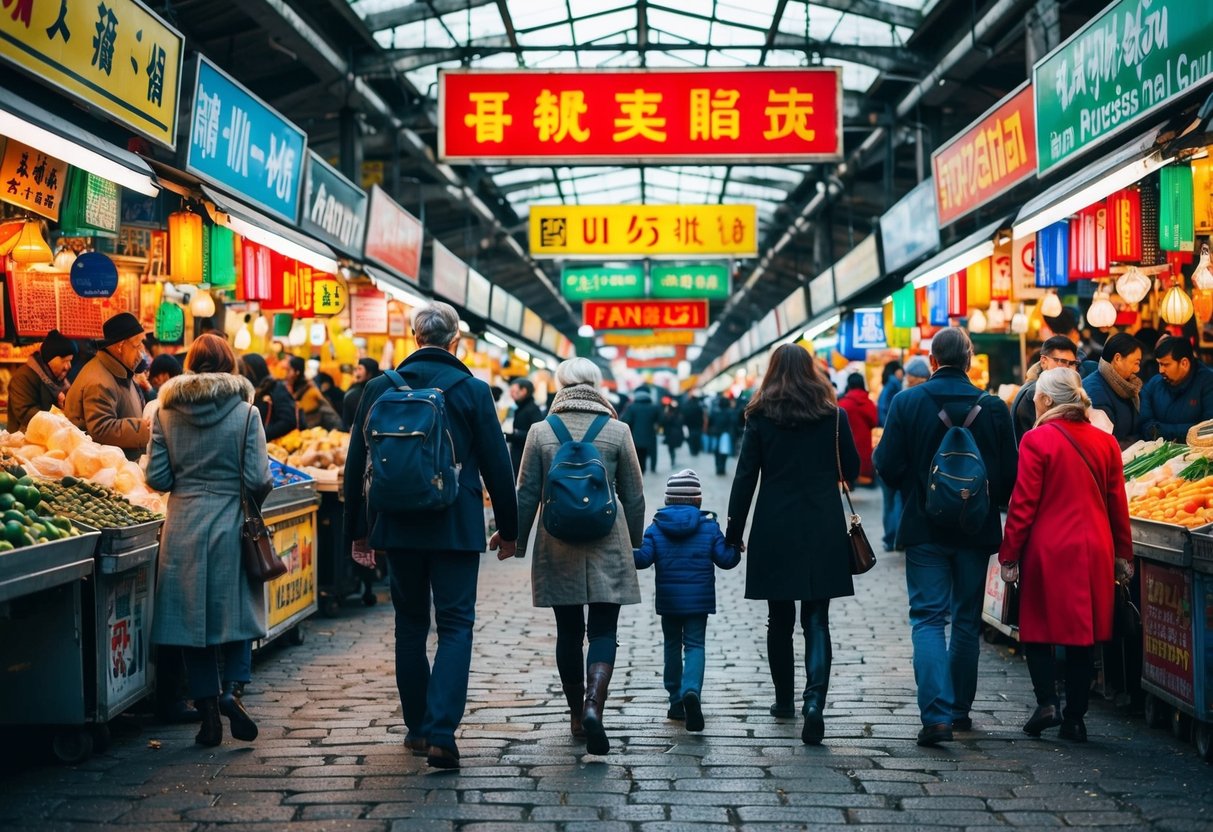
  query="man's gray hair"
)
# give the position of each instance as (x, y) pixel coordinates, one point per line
(436, 324)
(952, 348)
(578, 371)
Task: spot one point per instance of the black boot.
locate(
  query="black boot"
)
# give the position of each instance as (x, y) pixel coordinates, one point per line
(782, 659)
(243, 727)
(574, 695)
(598, 679)
(818, 659)
(211, 732)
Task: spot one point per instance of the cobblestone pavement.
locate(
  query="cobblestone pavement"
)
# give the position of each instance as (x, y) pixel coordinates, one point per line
(330, 755)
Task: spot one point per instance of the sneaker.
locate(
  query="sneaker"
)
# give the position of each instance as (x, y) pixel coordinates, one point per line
(694, 712)
(932, 735)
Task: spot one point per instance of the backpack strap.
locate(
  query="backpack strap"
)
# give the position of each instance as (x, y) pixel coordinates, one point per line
(970, 417)
(397, 380)
(562, 433)
(596, 427)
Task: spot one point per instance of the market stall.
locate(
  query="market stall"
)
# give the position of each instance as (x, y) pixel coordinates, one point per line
(290, 515)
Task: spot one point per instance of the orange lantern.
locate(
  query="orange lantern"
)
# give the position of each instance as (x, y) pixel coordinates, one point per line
(30, 247)
(1202, 304)
(979, 283)
(185, 246)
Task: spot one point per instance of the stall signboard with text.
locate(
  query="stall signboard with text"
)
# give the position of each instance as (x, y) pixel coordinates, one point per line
(649, 338)
(117, 57)
(450, 274)
(241, 143)
(636, 231)
(1127, 61)
(601, 282)
(856, 270)
(43, 300)
(821, 293)
(1166, 629)
(639, 115)
(704, 281)
(31, 180)
(867, 329)
(910, 229)
(393, 236)
(295, 542)
(996, 153)
(368, 311)
(645, 314)
(334, 208)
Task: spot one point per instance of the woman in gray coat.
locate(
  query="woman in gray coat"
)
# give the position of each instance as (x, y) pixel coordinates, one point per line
(204, 601)
(601, 573)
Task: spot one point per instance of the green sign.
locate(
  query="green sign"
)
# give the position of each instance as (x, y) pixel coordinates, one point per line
(601, 283)
(91, 206)
(699, 282)
(1127, 62)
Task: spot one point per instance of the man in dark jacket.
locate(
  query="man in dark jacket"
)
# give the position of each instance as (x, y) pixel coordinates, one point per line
(642, 417)
(1115, 388)
(526, 414)
(273, 401)
(104, 400)
(366, 369)
(945, 567)
(41, 383)
(436, 554)
(1180, 396)
(694, 418)
(1058, 351)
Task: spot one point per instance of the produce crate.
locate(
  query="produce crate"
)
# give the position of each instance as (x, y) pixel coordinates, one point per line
(1162, 542)
(115, 541)
(34, 568)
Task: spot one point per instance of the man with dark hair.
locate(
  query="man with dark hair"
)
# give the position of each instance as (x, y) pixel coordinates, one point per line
(1058, 351)
(1115, 389)
(1180, 396)
(526, 415)
(945, 565)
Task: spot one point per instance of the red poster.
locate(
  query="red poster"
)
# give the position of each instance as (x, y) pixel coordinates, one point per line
(993, 155)
(42, 301)
(638, 115)
(393, 236)
(368, 311)
(645, 314)
(1166, 628)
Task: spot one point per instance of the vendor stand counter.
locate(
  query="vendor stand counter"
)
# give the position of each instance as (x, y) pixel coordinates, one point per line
(1176, 570)
(290, 515)
(340, 577)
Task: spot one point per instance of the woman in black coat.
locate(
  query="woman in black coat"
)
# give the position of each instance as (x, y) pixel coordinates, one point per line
(273, 401)
(798, 549)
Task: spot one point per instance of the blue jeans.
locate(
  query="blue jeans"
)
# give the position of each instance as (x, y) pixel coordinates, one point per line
(684, 654)
(945, 582)
(202, 666)
(891, 513)
(433, 700)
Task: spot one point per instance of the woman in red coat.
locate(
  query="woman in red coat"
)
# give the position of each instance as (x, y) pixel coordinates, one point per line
(1068, 518)
(861, 415)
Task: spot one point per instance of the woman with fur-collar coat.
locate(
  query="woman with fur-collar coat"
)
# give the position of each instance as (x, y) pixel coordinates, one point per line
(204, 601)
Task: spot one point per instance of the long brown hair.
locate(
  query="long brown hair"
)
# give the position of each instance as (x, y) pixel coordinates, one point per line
(794, 390)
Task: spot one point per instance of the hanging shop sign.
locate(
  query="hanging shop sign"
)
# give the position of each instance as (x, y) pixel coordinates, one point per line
(705, 281)
(655, 358)
(117, 57)
(329, 295)
(645, 314)
(905, 307)
(368, 311)
(1166, 628)
(910, 229)
(634, 231)
(334, 208)
(821, 292)
(450, 274)
(1053, 255)
(241, 143)
(1202, 195)
(1023, 269)
(532, 325)
(93, 275)
(32, 180)
(479, 294)
(551, 336)
(1175, 210)
(1089, 242)
(170, 322)
(794, 311)
(649, 338)
(629, 116)
(600, 282)
(856, 270)
(91, 207)
(867, 329)
(393, 236)
(1125, 63)
(513, 314)
(995, 153)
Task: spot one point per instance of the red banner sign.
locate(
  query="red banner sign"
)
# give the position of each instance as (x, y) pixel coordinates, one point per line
(772, 115)
(996, 153)
(393, 236)
(646, 314)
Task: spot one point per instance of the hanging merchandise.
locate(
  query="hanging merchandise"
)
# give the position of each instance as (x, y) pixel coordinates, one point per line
(1202, 304)
(1202, 277)
(185, 246)
(261, 326)
(202, 305)
(897, 336)
(1175, 226)
(91, 205)
(958, 301)
(1053, 255)
(1019, 321)
(905, 314)
(937, 294)
(30, 247)
(1102, 313)
(1133, 285)
(996, 318)
(1051, 306)
(317, 334)
(93, 275)
(243, 339)
(219, 260)
(1089, 243)
(170, 323)
(64, 258)
(298, 335)
(978, 283)
(1149, 224)
(283, 322)
(1202, 195)
(1124, 226)
(1176, 307)
(256, 270)
(978, 322)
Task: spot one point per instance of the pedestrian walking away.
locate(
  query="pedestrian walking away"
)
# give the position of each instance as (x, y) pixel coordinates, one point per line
(861, 416)
(685, 546)
(795, 439)
(723, 424)
(695, 420)
(643, 416)
(573, 576)
(672, 430)
(526, 415)
(435, 554)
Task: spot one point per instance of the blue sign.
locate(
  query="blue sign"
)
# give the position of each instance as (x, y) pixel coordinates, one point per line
(93, 275)
(937, 302)
(868, 329)
(1053, 255)
(240, 143)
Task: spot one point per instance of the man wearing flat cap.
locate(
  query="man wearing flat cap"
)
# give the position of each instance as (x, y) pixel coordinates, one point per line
(104, 401)
(42, 382)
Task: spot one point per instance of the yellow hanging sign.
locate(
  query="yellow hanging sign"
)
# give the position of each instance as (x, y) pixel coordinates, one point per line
(636, 231)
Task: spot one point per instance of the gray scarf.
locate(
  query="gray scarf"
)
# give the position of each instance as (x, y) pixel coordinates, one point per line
(1128, 389)
(581, 398)
(54, 385)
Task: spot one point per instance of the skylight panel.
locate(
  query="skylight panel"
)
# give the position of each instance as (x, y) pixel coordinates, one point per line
(673, 59)
(425, 79)
(560, 35)
(599, 58)
(593, 28)
(510, 176)
(750, 12)
(724, 34)
(771, 173)
(365, 7)
(856, 77)
(419, 34)
(480, 21)
(744, 190)
(527, 14)
(735, 57)
(690, 29)
(581, 8)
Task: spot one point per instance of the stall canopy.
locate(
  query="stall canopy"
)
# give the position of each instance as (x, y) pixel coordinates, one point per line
(394, 285)
(960, 255)
(256, 226)
(30, 124)
(1099, 180)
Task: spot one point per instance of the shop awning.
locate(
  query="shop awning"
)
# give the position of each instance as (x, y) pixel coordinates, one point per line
(30, 124)
(256, 226)
(977, 246)
(395, 286)
(1099, 180)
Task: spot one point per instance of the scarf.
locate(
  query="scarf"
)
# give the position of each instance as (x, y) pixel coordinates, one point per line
(56, 387)
(581, 398)
(1125, 388)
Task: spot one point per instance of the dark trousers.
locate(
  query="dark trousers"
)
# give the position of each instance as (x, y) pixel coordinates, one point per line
(818, 651)
(721, 461)
(572, 627)
(695, 442)
(646, 455)
(673, 458)
(433, 699)
(1080, 664)
(202, 666)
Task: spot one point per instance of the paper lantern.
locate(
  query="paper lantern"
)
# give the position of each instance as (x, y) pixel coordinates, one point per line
(261, 326)
(170, 323)
(1202, 278)
(283, 321)
(1202, 304)
(30, 247)
(1019, 321)
(1102, 313)
(977, 321)
(1133, 285)
(256, 270)
(1176, 307)
(1089, 243)
(317, 334)
(1053, 255)
(243, 339)
(220, 269)
(10, 232)
(978, 283)
(937, 299)
(298, 334)
(1124, 226)
(1050, 306)
(185, 246)
(1175, 227)
(202, 305)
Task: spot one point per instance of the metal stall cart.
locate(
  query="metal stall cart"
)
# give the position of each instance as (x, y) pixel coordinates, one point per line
(42, 646)
(290, 515)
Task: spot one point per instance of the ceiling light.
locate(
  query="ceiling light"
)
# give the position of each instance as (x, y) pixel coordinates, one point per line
(243, 339)
(261, 326)
(585, 331)
(30, 247)
(276, 242)
(203, 305)
(496, 340)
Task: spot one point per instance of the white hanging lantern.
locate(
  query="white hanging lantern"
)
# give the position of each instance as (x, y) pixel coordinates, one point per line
(1102, 313)
(261, 326)
(1202, 278)
(996, 318)
(202, 305)
(64, 259)
(319, 333)
(1019, 322)
(298, 335)
(1050, 307)
(1176, 308)
(1133, 285)
(243, 339)
(977, 321)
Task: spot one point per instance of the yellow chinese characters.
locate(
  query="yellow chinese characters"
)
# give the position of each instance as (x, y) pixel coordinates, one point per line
(490, 118)
(639, 116)
(715, 116)
(789, 114)
(559, 117)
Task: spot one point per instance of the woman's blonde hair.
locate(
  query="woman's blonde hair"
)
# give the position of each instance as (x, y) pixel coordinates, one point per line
(578, 371)
(1063, 386)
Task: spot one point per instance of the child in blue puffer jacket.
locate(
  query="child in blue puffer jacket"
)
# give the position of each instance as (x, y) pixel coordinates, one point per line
(686, 544)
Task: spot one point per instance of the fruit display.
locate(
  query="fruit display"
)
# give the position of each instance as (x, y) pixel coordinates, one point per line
(26, 519)
(315, 448)
(1169, 482)
(94, 504)
(285, 475)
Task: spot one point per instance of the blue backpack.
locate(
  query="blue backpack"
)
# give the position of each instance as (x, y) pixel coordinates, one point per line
(958, 490)
(410, 454)
(578, 501)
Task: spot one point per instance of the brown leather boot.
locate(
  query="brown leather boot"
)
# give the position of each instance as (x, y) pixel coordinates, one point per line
(598, 679)
(574, 694)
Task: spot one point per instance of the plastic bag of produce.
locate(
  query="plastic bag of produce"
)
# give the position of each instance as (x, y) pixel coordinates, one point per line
(87, 459)
(129, 478)
(50, 467)
(28, 452)
(112, 457)
(40, 428)
(66, 439)
(105, 476)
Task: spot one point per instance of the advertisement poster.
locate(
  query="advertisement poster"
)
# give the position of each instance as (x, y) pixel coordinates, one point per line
(295, 542)
(1166, 628)
(127, 613)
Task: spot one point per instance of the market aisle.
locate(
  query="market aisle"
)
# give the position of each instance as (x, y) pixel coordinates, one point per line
(330, 750)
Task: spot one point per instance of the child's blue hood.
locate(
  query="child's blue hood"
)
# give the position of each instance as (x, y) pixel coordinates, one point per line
(680, 521)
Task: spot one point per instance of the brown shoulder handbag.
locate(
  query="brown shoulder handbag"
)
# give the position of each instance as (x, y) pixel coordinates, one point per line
(261, 562)
(863, 558)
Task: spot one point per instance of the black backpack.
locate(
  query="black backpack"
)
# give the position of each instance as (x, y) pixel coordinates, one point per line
(578, 500)
(958, 488)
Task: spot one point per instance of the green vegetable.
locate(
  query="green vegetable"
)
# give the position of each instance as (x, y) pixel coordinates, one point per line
(1198, 470)
(1148, 462)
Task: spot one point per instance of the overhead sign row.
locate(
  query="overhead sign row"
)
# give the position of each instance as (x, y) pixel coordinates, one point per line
(708, 281)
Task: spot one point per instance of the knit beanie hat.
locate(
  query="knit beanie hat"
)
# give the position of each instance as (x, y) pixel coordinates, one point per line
(57, 346)
(918, 367)
(682, 489)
